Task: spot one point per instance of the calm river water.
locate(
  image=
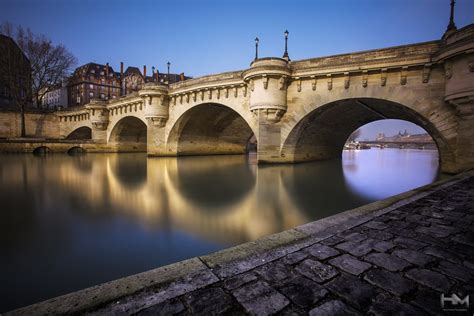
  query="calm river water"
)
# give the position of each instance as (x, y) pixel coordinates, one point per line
(67, 223)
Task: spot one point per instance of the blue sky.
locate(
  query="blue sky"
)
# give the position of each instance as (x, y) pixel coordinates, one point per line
(201, 37)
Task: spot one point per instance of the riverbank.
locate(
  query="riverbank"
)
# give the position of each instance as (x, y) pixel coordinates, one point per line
(421, 241)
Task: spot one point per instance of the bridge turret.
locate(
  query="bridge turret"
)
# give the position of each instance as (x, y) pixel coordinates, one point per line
(155, 100)
(99, 117)
(267, 80)
(457, 57)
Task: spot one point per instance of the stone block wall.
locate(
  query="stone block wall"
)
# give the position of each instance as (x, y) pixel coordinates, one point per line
(38, 125)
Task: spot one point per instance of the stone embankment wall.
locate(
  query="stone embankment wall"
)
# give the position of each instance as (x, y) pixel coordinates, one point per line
(38, 125)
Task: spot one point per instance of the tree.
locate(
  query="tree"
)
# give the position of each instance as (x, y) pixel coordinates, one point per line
(50, 64)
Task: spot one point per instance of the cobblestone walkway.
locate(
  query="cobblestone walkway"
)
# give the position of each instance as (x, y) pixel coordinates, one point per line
(397, 263)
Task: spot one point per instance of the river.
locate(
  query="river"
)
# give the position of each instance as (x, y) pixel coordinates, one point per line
(70, 222)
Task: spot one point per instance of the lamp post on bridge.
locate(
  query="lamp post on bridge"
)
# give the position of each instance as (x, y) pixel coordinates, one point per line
(451, 25)
(285, 55)
(256, 47)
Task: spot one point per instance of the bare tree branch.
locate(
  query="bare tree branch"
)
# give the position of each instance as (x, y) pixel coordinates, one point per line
(48, 65)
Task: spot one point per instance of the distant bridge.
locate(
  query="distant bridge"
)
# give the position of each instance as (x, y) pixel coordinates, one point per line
(400, 144)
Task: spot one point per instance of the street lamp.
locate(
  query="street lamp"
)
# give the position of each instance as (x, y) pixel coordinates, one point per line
(285, 55)
(256, 47)
(451, 25)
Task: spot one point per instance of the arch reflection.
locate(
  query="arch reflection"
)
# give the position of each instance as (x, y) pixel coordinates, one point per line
(213, 182)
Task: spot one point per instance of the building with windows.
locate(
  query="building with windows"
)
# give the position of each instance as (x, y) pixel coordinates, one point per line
(56, 96)
(96, 81)
(133, 80)
(92, 81)
(15, 74)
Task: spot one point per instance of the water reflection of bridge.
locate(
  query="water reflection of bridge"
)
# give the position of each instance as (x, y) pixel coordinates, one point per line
(210, 197)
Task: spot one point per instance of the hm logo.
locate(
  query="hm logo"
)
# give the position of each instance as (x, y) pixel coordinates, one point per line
(453, 302)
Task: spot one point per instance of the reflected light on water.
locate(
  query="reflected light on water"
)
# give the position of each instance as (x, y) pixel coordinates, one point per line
(71, 222)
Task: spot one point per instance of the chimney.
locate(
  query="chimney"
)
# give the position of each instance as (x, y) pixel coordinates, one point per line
(157, 76)
(144, 71)
(107, 69)
(121, 78)
(181, 76)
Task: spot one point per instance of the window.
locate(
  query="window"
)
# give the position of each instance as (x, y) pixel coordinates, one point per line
(91, 94)
(102, 96)
(93, 71)
(113, 83)
(113, 97)
(101, 73)
(78, 99)
(91, 86)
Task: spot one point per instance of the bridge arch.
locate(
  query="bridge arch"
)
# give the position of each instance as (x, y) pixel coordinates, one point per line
(210, 128)
(80, 133)
(129, 134)
(323, 130)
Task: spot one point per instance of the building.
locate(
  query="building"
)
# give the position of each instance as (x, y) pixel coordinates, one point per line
(56, 96)
(92, 81)
(405, 137)
(15, 74)
(133, 80)
(96, 81)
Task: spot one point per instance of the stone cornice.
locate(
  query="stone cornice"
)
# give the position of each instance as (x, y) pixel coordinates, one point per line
(128, 101)
(206, 86)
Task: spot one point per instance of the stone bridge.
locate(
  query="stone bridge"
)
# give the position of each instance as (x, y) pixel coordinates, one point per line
(298, 110)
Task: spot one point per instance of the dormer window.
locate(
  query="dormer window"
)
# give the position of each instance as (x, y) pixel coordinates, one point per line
(93, 71)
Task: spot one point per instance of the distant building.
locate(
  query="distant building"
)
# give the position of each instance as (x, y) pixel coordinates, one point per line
(96, 81)
(57, 96)
(133, 80)
(92, 81)
(380, 136)
(405, 137)
(21, 76)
